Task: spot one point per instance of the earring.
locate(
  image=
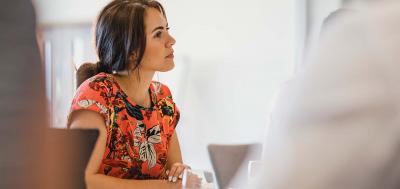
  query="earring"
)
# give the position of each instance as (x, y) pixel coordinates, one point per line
(123, 72)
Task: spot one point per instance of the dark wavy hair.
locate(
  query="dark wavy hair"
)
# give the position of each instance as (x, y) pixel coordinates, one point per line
(120, 33)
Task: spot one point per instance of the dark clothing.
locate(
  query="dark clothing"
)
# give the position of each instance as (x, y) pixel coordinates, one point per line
(22, 97)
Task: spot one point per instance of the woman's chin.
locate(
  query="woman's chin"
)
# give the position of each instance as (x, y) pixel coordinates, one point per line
(168, 67)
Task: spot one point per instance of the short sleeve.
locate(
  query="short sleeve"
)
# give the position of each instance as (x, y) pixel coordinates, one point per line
(168, 106)
(175, 118)
(94, 95)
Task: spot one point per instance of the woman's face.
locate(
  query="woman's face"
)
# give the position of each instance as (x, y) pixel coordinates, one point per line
(158, 55)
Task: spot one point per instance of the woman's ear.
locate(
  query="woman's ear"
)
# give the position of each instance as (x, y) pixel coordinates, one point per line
(133, 57)
(132, 61)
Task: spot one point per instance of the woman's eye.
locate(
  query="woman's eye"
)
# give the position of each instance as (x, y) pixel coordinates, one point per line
(158, 35)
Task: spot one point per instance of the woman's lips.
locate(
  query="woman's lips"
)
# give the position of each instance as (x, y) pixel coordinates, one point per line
(170, 55)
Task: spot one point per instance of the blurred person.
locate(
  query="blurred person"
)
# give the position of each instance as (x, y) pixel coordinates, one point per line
(336, 123)
(22, 98)
(136, 117)
(335, 18)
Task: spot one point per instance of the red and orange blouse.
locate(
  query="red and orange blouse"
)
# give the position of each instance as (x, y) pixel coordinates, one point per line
(137, 137)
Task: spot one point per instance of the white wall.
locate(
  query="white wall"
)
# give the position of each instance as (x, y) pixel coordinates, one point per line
(231, 56)
(68, 11)
(236, 54)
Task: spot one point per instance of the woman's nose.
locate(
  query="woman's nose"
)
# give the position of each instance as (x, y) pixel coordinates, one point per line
(171, 41)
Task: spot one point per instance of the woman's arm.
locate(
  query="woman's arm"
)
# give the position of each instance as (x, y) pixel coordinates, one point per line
(174, 164)
(91, 120)
(176, 167)
(174, 151)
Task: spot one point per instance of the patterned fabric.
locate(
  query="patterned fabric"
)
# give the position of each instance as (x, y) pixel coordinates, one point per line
(137, 137)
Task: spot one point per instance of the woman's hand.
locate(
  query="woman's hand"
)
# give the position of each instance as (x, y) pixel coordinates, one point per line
(179, 171)
(176, 171)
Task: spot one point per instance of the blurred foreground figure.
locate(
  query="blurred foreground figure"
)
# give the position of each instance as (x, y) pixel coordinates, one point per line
(22, 98)
(337, 123)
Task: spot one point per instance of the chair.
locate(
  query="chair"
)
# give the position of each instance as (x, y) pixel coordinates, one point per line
(230, 161)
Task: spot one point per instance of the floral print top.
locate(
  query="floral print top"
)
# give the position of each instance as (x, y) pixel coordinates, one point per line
(137, 137)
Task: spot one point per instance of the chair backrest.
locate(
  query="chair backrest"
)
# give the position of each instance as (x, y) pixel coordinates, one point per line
(68, 152)
(230, 161)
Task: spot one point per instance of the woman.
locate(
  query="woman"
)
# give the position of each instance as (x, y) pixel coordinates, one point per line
(136, 117)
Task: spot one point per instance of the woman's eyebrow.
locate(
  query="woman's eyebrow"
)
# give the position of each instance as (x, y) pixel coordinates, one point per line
(159, 28)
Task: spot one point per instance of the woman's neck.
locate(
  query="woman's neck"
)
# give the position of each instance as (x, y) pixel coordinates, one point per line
(137, 89)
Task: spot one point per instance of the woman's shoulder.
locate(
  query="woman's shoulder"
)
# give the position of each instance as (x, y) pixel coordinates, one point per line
(100, 85)
(99, 82)
(161, 90)
(93, 94)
